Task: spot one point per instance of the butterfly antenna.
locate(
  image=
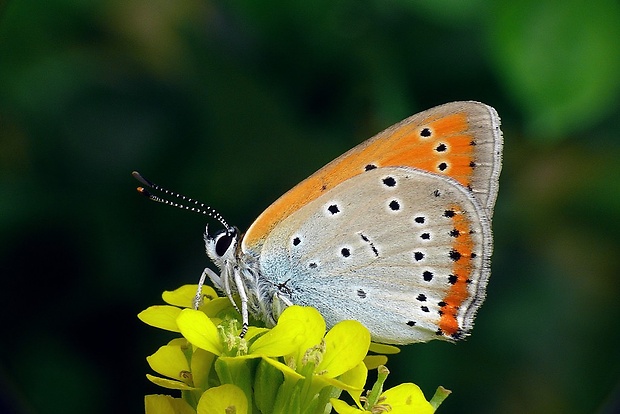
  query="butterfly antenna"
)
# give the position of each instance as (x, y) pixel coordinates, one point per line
(195, 206)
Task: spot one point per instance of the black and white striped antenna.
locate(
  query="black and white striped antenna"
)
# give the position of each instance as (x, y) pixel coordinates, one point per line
(195, 206)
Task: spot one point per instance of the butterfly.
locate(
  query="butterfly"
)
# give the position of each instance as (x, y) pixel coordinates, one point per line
(395, 233)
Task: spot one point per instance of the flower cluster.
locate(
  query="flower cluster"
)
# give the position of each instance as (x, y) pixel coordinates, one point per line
(295, 367)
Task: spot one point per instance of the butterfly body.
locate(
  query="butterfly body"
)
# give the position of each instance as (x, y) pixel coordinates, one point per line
(395, 233)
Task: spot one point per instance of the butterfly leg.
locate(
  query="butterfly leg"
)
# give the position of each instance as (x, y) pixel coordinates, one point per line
(214, 278)
(285, 299)
(279, 302)
(226, 288)
(244, 301)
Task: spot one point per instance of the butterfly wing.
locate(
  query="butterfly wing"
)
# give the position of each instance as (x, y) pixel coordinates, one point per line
(403, 251)
(459, 140)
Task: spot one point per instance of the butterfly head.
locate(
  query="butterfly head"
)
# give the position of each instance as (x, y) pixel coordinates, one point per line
(222, 245)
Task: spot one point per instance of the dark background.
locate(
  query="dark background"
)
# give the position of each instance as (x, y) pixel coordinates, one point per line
(233, 102)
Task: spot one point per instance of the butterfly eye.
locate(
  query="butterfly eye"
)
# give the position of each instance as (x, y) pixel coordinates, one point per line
(223, 243)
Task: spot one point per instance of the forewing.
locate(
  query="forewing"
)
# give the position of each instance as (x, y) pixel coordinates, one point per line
(458, 140)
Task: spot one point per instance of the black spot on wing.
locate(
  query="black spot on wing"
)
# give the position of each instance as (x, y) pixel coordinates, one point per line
(427, 275)
(333, 209)
(370, 243)
(394, 205)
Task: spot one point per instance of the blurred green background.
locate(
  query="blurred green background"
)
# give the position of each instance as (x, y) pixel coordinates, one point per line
(234, 102)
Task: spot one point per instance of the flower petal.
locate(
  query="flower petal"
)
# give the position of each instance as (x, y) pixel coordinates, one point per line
(214, 307)
(407, 398)
(201, 364)
(383, 348)
(342, 407)
(373, 361)
(346, 345)
(169, 383)
(286, 370)
(198, 329)
(322, 381)
(165, 404)
(184, 296)
(254, 331)
(161, 316)
(182, 342)
(356, 378)
(314, 328)
(170, 361)
(296, 327)
(220, 400)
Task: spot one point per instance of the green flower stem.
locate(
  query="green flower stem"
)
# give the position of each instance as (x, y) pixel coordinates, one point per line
(305, 385)
(192, 397)
(314, 395)
(324, 396)
(268, 381)
(440, 395)
(285, 397)
(373, 396)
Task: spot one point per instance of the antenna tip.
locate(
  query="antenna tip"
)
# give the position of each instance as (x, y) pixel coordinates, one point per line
(143, 191)
(140, 178)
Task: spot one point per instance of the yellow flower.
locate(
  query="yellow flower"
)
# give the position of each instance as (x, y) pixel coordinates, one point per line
(172, 360)
(403, 399)
(164, 316)
(321, 364)
(292, 368)
(298, 336)
(224, 399)
(165, 404)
